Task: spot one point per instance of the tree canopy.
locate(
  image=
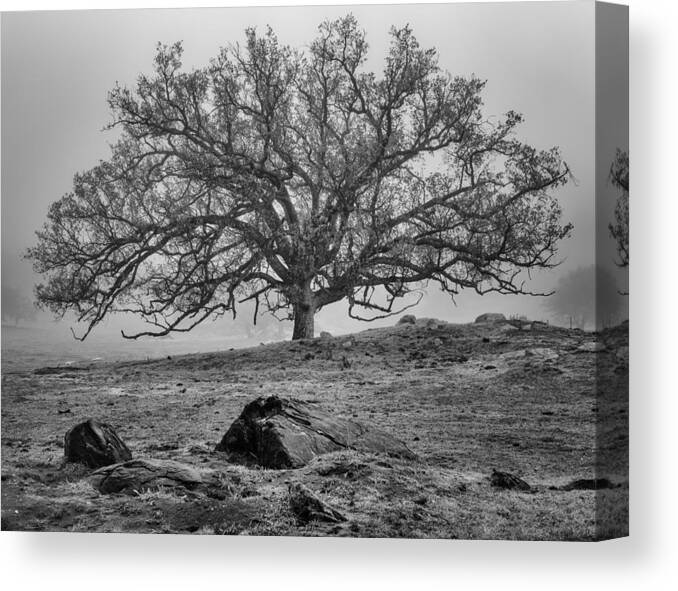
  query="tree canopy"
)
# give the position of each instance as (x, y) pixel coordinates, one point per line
(295, 179)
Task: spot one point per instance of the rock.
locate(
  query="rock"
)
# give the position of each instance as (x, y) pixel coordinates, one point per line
(286, 433)
(94, 444)
(325, 335)
(307, 507)
(591, 347)
(137, 476)
(490, 317)
(588, 484)
(508, 481)
(407, 319)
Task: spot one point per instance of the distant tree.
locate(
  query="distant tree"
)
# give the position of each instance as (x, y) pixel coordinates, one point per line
(584, 297)
(295, 180)
(16, 306)
(619, 176)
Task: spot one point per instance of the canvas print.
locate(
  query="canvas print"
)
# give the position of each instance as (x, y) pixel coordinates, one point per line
(350, 271)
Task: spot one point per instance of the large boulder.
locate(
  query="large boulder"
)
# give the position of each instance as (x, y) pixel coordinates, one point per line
(490, 317)
(286, 433)
(95, 444)
(140, 475)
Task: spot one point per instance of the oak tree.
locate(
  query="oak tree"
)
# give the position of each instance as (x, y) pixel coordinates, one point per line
(295, 179)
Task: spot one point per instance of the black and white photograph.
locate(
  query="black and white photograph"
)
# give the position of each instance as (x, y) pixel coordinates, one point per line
(317, 271)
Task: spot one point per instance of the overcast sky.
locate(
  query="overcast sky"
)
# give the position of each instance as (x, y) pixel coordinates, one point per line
(537, 58)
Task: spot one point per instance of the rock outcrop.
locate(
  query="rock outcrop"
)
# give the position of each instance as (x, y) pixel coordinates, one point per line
(286, 433)
(490, 317)
(94, 444)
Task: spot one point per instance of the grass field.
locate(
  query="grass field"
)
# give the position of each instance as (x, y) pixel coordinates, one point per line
(466, 399)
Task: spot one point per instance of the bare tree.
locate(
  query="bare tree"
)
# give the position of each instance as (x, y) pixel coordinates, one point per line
(295, 180)
(619, 176)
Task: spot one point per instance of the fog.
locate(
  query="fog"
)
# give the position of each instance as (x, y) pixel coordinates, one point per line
(537, 58)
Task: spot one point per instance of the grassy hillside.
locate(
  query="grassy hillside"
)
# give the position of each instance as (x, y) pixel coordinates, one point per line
(466, 399)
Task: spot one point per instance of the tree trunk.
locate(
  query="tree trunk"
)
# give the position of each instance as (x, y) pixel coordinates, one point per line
(303, 321)
(303, 306)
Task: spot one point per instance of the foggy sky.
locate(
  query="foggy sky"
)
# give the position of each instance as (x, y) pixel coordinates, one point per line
(537, 58)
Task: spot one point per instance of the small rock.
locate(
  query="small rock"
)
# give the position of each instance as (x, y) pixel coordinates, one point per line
(307, 507)
(325, 335)
(94, 444)
(508, 481)
(588, 484)
(408, 319)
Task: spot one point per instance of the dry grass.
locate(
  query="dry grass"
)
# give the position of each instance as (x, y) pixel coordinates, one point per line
(525, 402)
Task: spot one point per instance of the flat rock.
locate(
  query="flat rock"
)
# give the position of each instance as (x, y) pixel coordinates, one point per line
(94, 444)
(146, 474)
(285, 433)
